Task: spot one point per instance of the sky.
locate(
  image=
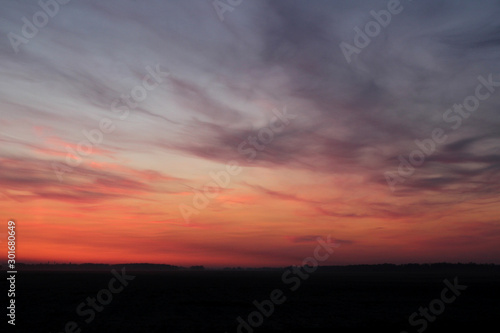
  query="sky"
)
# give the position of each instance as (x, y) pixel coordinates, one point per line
(235, 133)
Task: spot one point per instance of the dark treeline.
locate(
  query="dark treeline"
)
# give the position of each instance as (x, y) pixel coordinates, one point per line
(412, 267)
(103, 267)
(347, 268)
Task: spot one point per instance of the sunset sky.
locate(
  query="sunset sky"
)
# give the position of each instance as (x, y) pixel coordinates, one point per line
(171, 95)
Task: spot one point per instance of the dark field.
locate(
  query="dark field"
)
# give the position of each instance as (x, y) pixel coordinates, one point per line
(210, 301)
